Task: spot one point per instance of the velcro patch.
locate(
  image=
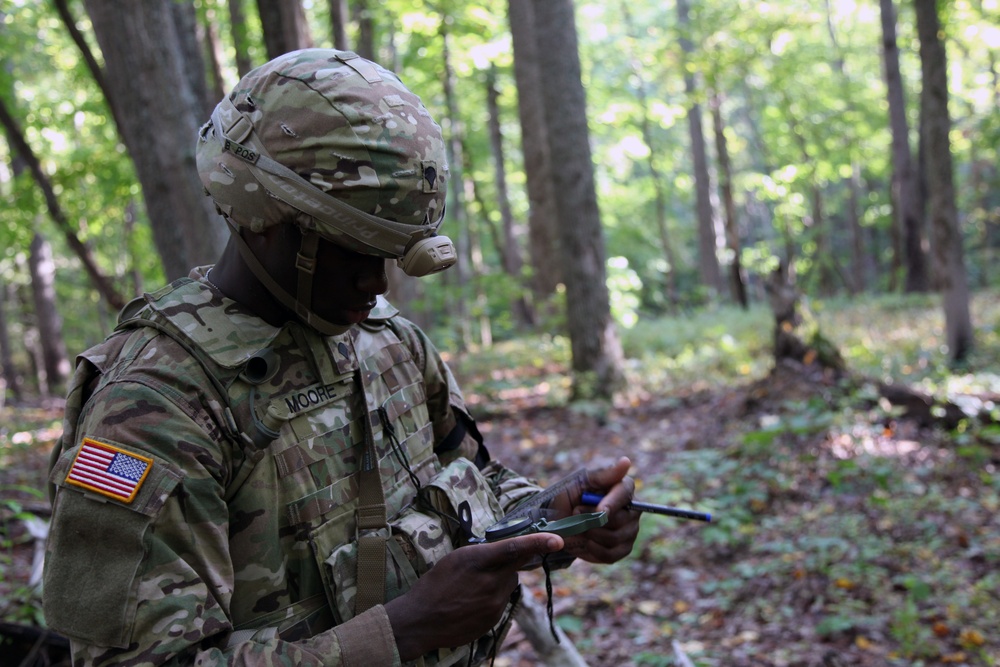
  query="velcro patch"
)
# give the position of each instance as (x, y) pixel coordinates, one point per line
(108, 470)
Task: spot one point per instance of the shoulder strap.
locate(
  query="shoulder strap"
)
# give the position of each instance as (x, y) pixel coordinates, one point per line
(404, 330)
(250, 433)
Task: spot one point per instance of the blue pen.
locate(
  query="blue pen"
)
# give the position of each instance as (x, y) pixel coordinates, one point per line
(589, 498)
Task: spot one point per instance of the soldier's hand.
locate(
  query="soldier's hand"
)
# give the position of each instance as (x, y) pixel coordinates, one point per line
(464, 595)
(614, 540)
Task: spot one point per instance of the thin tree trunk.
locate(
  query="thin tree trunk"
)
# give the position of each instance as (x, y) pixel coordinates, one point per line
(511, 247)
(859, 264)
(454, 135)
(945, 231)
(29, 330)
(101, 282)
(596, 350)
(129, 224)
(737, 282)
(55, 363)
(905, 196)
(478, 266)
(708, 260)
(11, 376)
(542, 215)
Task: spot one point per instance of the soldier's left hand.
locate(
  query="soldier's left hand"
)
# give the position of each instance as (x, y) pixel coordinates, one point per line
(613, 541)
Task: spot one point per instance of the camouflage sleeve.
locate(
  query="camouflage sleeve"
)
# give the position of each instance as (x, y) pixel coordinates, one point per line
(149, 580)
(451, 418)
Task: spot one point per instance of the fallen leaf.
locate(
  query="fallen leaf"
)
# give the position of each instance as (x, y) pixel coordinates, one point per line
(649, 607)
(970, 638)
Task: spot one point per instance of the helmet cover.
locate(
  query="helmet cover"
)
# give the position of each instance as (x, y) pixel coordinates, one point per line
(345, 125)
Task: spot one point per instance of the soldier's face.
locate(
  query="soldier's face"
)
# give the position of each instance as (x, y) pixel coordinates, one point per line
(345, 283)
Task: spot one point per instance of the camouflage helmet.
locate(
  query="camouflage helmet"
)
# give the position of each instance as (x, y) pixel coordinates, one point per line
(334, 143)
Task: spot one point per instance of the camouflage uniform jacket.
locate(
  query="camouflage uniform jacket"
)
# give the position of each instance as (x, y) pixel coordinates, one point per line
(211, 520)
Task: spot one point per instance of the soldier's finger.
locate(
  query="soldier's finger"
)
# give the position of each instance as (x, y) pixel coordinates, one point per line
(515, 552)
(615, 479)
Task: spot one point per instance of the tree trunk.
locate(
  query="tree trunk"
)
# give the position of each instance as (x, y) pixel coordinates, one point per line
(542, 235)
(708, 260)
(11, 376)
(945, 231)
(55, 363)
(285, 26)
(859, 263)
(366, 29)
(208, 36)
(905, 196)
(338, 24)
(29, 330)
(192, 48)
(478, 267)
(454, 136)
(241, 41)
(596, 350)
(737, 282)
(135, 275)
(510, 248)
(160, 115)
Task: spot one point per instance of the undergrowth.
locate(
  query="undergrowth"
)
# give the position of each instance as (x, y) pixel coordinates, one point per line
(894, 338)
(840, 532)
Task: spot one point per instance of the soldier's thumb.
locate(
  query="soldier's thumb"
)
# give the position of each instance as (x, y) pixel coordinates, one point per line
(516, 552)
(605, 478)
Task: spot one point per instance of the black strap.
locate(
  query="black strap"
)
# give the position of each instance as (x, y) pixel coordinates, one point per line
(548, 592)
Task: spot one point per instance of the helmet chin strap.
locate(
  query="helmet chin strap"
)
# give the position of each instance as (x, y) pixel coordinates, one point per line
(305, 262)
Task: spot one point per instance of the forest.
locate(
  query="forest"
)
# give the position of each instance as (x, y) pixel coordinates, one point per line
(749, 244)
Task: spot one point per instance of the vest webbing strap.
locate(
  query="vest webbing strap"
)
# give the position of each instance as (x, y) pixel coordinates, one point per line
(373, 529)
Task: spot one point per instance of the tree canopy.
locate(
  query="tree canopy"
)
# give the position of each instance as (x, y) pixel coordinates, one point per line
(797, 90)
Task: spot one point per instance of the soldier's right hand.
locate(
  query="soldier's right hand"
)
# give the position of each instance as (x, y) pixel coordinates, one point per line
(462, 597)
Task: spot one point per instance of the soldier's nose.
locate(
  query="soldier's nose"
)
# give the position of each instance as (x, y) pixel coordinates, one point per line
(373, 280)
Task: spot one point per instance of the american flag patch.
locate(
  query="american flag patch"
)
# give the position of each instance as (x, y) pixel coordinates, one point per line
(108, 470)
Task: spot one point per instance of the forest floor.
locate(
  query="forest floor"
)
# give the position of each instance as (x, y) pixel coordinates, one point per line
(844, 532)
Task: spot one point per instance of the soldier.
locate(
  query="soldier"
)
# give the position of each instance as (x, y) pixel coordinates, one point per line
(265, 464)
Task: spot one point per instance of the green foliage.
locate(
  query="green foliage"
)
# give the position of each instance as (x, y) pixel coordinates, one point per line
(827, 522)
(21, 601)
(797, 122)
(66, 122)
(698, 348)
